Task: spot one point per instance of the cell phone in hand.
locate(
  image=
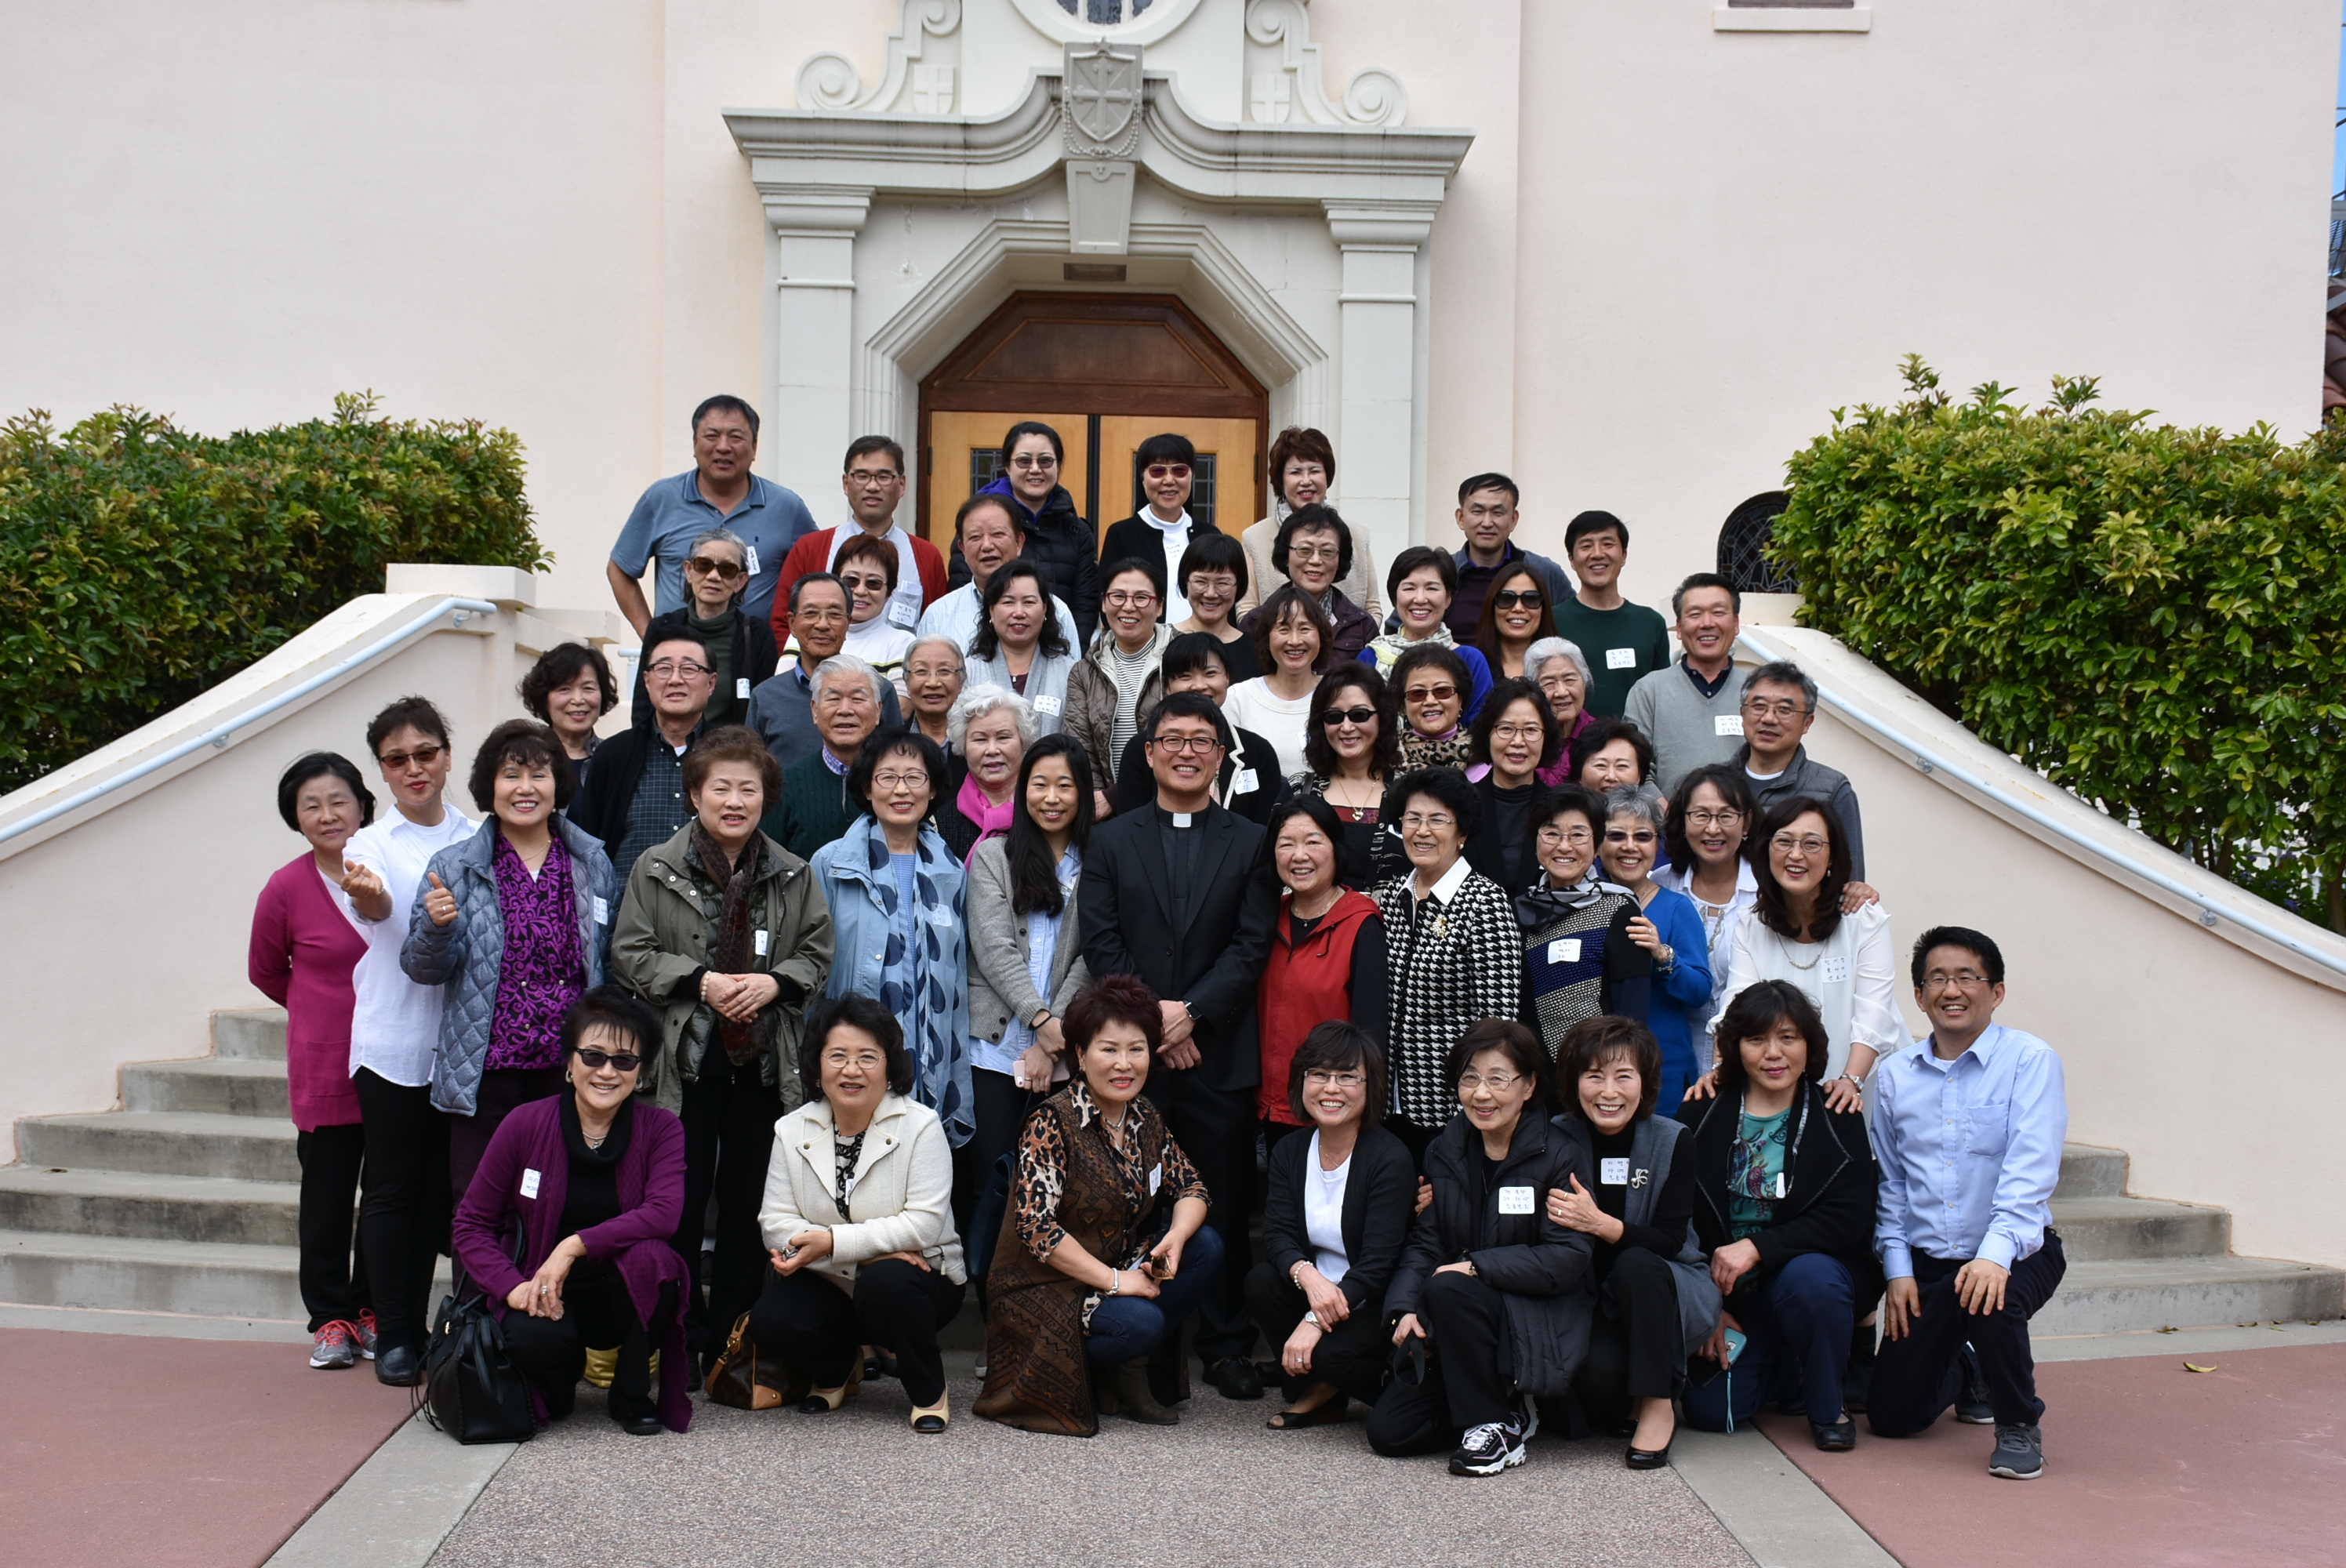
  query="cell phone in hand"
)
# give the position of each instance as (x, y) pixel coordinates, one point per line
(1736, 1339)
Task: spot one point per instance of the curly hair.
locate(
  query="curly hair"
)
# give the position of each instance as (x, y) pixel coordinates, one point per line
(1756, 1011)
(557, 668)
(731, 743)
(528, 743)
(854, 1011)
(1113, 999)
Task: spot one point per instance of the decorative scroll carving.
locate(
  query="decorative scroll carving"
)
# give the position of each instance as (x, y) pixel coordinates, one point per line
(829, 81)
(1285, 83)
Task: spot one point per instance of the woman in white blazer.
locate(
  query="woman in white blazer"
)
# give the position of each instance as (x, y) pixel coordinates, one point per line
(858, 1216)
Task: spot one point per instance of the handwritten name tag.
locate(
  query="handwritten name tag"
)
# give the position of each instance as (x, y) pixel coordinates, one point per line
(1244, 783)
(1155, 1179)
(1515, 1200)
(1836, 971)
(1046, 705)
(1727, 724)
(760, 942)
(1620, 658)
(529, 1179)
(602, 912)
(1563, 950)
(751, 564)
(741, 686)
(901, 612)
(1613, 1172)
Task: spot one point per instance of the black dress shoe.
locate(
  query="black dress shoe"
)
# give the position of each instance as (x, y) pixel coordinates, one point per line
(1650, 1458)
(643, 1423)
(401, 1365)
(1835, 1437)
(1235, 1376)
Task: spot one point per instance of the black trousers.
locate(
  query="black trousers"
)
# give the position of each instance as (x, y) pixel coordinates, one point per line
(503, 1090)
(1466, 1323)
(403, 1206)
(1637, 1350)
(1916, 1378)
(999, 1106)
(824, 1329)
(729, 1116)
(1352, 1355)
(332, 1284)
(596, 1312)
(1215, 1129)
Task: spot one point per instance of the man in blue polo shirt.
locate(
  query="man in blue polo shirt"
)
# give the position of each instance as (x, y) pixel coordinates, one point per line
(718, 488)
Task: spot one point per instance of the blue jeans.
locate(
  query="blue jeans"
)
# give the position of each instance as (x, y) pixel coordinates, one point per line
(1131, 1328)
(1798, 1333)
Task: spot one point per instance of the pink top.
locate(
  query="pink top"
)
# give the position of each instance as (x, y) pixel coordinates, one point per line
(303, 950)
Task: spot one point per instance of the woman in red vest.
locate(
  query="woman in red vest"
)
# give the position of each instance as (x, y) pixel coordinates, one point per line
(1326, 958)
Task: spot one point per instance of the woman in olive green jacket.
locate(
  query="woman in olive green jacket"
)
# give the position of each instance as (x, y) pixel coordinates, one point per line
(725, 932)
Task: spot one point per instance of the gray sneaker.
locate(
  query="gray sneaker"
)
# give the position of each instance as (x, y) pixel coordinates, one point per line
(2019, 1451)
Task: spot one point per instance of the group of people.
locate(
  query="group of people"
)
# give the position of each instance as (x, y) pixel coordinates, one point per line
(1021, 927)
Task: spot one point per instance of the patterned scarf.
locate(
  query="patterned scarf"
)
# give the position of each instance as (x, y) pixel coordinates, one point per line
(728, 947)
(1541, 905)
(919, 982)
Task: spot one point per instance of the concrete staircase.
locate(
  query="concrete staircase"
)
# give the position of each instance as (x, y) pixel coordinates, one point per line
(185, 1200)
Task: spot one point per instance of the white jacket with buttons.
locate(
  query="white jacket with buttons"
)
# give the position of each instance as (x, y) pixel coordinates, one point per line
(902, 1199)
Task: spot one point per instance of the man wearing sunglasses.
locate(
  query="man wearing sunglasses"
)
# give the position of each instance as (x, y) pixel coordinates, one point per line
(718, 488)
(1162, 528)
(874, 484)
(1621, 641)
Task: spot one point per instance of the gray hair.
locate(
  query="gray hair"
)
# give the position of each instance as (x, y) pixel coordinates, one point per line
(978, 701)
(720, 536)
(1631, 800)
(1547, 648)
(844, 664)
(961, 662)
(1784, 672)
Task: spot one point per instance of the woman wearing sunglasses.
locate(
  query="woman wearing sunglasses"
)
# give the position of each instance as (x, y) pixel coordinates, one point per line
(593, 1184)
(1515, 615)
(740, 646)
(1354, 749)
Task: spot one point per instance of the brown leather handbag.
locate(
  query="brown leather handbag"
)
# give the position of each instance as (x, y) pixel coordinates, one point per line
(748, 1379)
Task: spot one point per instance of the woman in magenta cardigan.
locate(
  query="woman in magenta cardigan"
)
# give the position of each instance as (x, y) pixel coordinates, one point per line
(594, 1183)
(303, 950)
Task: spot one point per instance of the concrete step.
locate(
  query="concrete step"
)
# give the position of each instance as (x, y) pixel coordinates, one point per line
(256, 1034)
(145, 1275)
(222, 1085)
(163, 1142)
(2096, 1229)
(2112, 1296)
(2090, 1172)
(137, 1204)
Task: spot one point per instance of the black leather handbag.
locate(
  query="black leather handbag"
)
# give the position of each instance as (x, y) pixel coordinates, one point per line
(471, 1391)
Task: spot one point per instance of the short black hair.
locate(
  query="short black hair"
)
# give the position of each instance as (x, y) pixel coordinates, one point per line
(1595, 1041)
(1315, 518)
(1337, 1045)
(1978, 944)
(1152, 570)
(809, 579)
(1490, 482)
(1446, 785)
(1384, 759)
(317, 764)
(526, 741)
(1733, 786)
(857, 1012)
(1187, 705)
(1111, 999)
(1603, 733)
(1756, 1010)
(1024, 428)
(1444, 660)
(989, 498)
(888, 742)
(1567, 795)
(679, 634)
(1705, 580)
(400, 713)
(557, 668)
(1321, 815)
(1594, 523)
(863, 445)
(1214, 552)
(725, 402)
(1186, 653)
(1169, 447)
(1444, 564)
(620, 1011)
(1274, 609)
(1520, 1045)
(1503, 696)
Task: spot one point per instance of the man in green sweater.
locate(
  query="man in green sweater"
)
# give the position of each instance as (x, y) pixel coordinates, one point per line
(1688, 710)
(1621, 641)
(815, 807)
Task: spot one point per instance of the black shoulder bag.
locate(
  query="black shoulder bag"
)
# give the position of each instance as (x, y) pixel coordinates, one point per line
(470, 1390)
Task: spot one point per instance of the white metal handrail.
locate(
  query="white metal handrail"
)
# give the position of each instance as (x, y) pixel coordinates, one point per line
(216, 736)
(1931, 761)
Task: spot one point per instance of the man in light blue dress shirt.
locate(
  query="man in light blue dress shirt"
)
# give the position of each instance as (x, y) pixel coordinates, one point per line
(1968, 1128)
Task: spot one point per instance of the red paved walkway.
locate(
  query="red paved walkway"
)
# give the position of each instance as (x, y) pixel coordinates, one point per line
(172, 1454)
(2147, 1465)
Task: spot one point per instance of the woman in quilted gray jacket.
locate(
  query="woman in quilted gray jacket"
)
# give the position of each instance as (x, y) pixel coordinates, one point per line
(513, 924)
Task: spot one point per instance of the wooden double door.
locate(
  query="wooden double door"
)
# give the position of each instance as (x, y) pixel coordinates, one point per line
(1107, 372)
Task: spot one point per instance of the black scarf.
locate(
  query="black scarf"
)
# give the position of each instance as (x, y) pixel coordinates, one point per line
(728, 946)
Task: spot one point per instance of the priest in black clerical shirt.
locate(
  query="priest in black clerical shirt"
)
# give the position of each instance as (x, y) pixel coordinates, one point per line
(1182, 895)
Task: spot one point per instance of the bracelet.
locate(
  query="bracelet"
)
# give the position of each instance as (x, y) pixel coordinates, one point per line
(1114, 1283)
(1295, 1275)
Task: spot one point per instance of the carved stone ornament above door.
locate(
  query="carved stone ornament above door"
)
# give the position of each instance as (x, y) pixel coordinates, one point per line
(1103, 94)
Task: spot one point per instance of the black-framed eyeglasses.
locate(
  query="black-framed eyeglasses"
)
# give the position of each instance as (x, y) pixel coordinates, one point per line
(1331, 717)
(622, 1061)
(1201, 745)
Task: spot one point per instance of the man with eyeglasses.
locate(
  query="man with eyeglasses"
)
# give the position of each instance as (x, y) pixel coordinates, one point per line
(988, 534)
(1060, 540)
(1688, 711)
(874, 484)
(1779, 704)
(633, 799)
(1968, 1129)
(1623, 641)
(1182, 895)
(1161, 530)
(718, 488)
(1488, 513)
(782, 709)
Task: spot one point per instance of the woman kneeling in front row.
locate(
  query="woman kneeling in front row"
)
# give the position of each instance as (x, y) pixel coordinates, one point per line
(1100, 1256)
(859, 1216)
(1491, 1286)
(1336, 1211)
(594, 1182)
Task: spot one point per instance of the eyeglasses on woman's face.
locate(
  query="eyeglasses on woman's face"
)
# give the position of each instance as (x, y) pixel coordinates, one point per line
(1799, 844)
(1497, 1082)
(1168, 471)
(1132, 598)
(1034, 459)
(1321, 1078)
(1553, 837)
(1629, 836)
(1725, 817)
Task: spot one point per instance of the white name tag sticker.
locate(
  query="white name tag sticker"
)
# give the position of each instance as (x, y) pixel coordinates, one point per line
(751, 563)
(1613, 1172)
(1515, 1200)
(903, 614)
(602, 912)
(1046, 705)
(1620, 658)
(741, 686)
(1836, 971)
(760, 942)
(1727, 724)
(1563, 950)
(1244, 783)
(529, 1179)
(1155, 1179)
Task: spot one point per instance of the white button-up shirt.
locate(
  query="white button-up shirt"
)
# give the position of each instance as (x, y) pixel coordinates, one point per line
(395, 1025)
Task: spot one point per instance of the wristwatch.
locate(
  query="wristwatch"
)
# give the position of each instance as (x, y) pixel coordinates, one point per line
(1314, 1318)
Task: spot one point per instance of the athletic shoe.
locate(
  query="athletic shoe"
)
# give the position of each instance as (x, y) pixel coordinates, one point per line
(1494, 1446)
(2019, 1451)
(363, 1332)
(1971, 1407)
(334, 1347)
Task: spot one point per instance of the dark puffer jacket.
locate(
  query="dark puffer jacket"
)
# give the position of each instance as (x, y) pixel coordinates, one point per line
(1828, 1207)
(1063, 547)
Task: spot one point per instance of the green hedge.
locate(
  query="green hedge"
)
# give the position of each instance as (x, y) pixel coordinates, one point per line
(2154, 617)
(140, 564)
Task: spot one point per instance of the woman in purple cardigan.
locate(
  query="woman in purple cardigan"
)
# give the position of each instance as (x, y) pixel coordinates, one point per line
(594, 1183)
(303, 950)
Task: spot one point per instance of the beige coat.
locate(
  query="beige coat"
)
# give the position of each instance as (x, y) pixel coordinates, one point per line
(1091, 701)
(1000, 985)
(901, 1200)
(1361, 584)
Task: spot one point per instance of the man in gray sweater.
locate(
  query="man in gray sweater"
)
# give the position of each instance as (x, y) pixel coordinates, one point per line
(1687, 709)
(1779, 704)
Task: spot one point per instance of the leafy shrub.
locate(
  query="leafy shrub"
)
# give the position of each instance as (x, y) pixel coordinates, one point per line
(2154, 617)
(140, 564)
